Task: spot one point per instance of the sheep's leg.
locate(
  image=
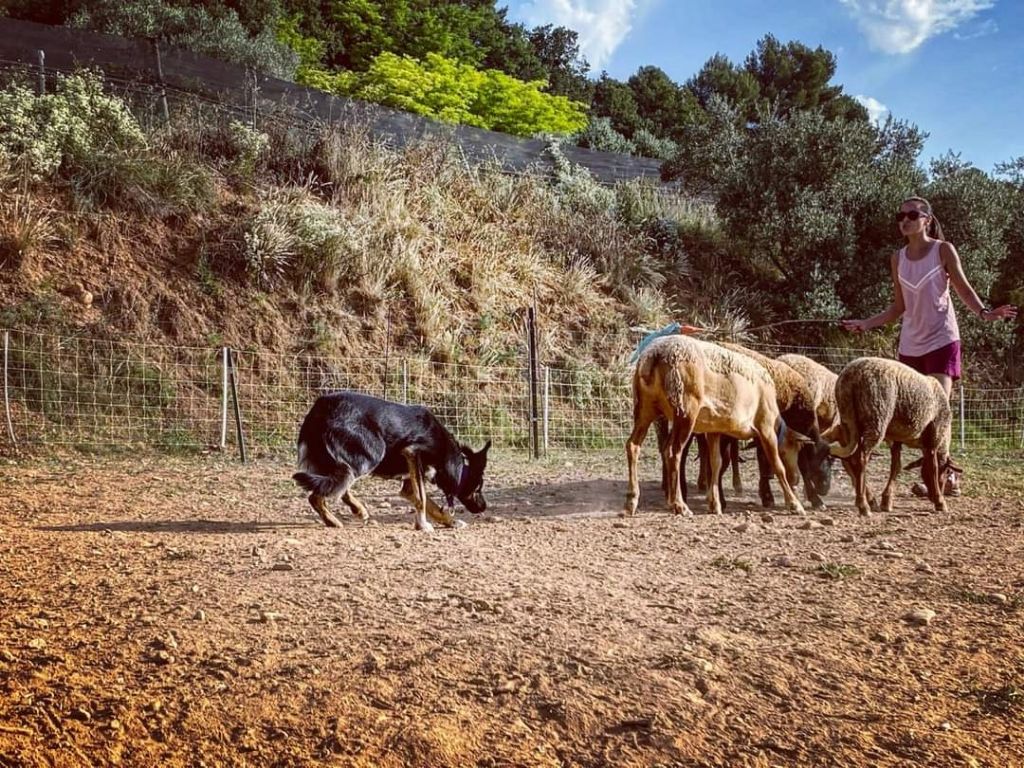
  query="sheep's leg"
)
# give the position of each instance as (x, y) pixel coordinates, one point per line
(766, 437)
(661, 432)
(702, 459)
(682, 466)
(764, 475)
(682, 428)
(643, 415)
(895, 451)
(858, 473)
(788, 450)
(734, 455)
(724, 441)
(930, 467)
(714, 474)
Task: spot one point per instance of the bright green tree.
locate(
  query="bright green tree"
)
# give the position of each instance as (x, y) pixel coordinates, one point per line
(445, 89)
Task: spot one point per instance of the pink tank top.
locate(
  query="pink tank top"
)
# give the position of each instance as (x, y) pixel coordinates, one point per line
(929, 322)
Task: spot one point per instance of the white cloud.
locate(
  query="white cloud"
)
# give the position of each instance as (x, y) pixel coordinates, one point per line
(602, 25)
(876, 109)
(987, 27)
(900, 26)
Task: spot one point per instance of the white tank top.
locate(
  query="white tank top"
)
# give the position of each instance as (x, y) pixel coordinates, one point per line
(929, 322)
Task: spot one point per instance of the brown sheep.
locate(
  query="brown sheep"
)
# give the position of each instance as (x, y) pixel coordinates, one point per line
(797, 406)
(881, 399)
(704, 388)
(799, 458)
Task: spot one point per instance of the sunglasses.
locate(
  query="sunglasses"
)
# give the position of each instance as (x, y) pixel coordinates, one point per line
(912, 215)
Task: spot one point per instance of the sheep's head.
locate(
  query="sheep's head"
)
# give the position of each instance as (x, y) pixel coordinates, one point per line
(815, 461)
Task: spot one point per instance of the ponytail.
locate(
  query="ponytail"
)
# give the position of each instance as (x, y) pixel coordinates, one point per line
(934, 228)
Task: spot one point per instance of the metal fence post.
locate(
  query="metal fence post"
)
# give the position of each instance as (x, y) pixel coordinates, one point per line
(531, 355)
(962, 439)
(1020, 397)
(405, 380)
(224, 398)
(7, 402)
(547, 405)
(238, 409)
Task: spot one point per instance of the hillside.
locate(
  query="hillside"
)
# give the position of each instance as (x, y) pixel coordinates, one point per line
(212, 233)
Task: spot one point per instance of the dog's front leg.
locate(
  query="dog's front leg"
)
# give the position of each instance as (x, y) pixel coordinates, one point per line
(418, 491)
(434, 512)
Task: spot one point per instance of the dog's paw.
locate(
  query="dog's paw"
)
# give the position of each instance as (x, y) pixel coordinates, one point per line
(457, 524)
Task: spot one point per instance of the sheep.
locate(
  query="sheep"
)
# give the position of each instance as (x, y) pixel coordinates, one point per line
(797, 406)
(729, 449)
(881, 399)
(822, 383)
(704, 388)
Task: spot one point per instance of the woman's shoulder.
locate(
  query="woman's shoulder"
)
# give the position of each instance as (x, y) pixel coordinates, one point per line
(945, 248)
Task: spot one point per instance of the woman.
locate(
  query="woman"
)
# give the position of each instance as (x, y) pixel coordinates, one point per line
(922, 272)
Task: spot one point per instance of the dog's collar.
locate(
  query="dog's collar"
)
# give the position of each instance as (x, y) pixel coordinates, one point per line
(458, 488)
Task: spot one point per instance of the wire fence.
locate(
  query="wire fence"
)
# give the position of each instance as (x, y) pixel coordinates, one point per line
(91, 393)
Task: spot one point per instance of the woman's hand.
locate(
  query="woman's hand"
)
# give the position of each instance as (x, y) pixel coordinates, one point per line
(1005, 312)
(857, 326)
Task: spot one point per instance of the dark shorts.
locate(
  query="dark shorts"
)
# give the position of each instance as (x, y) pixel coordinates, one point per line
(942, 360)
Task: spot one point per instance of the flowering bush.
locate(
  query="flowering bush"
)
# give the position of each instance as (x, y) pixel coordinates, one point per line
(46, 133)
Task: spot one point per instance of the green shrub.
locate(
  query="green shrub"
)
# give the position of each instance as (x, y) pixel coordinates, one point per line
(143, 182)
(218, 34)
(294, 235)
(600, 135)
(649, 145)
(453, 92)
(48, 133)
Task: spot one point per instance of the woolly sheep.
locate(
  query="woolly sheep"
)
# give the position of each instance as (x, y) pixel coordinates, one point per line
(704, 388)
(797, 406)
(880, 399)
(800, 458)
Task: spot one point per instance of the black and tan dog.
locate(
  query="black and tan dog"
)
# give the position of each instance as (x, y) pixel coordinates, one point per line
(347, 435)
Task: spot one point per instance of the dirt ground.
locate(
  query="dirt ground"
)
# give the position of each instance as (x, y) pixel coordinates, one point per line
(191, 611)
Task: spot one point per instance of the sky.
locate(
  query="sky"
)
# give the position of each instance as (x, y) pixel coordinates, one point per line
(953, 68)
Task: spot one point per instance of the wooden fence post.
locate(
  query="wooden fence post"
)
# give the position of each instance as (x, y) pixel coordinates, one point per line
(41, 87)
(160, 78)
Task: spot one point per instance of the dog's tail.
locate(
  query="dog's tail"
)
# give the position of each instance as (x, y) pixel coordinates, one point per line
(311, 474)
(321, 485)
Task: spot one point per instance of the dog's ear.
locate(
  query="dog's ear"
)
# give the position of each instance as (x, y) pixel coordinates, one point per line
(953, 467)
(487, 445)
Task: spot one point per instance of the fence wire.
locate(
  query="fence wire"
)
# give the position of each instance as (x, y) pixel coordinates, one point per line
(81, 392)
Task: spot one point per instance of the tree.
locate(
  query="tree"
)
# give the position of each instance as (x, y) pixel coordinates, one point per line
(615, 100)
(663, 105)
(719, 77)
(792, 76)
(805, 200)
(558, 50)
(454, 92)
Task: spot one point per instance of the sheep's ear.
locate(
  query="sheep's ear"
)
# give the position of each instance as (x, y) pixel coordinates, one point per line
(914, 464)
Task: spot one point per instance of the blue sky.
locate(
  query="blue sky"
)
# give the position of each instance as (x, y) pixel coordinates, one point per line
(954, 68)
